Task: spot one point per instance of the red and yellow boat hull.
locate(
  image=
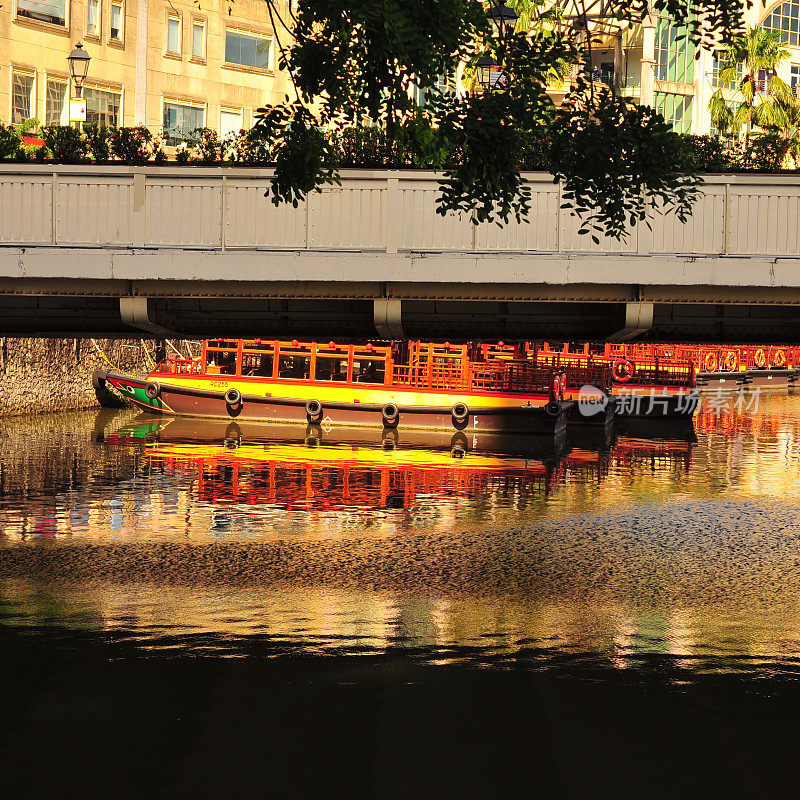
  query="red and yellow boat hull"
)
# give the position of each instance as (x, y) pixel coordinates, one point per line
(351, 405)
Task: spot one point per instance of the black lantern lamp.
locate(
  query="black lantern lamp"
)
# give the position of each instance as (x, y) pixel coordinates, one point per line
(78, 66)
(491, 75)
(503, 19)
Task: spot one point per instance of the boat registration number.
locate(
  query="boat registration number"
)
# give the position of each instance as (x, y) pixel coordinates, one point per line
(219, 384)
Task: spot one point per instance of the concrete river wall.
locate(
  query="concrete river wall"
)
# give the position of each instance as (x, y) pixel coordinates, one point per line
(41, 375)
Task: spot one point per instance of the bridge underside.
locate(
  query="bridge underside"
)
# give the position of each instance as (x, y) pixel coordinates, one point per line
(118, 308)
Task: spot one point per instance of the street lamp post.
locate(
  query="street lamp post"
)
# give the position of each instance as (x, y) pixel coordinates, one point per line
(503, 19)
(491, 74)
(78, 68)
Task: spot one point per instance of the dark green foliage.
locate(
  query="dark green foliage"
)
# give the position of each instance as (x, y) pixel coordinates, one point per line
(132, 145)
(9, 141)
(617, 163)
(706, 154)
(489, 132)
(305, 158)
(358, 60)
(99, 139)
(67, 144)
(182, 157)
(371, 147)
(767, 152)
(205, 146)
(250, 147)
(355, 63)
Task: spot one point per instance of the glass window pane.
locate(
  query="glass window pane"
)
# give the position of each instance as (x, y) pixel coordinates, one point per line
(52, 11)
(230, 122)
(197, 40)
(250, 51)
(116, 21)
(102, 106)
(180, 121)
(173, 35)
(92, 17)
(56, 99)
(21, 97)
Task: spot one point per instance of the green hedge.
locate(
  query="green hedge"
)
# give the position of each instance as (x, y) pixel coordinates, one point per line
(365, 147)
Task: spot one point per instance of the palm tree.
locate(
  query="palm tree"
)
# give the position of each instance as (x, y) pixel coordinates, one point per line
(754, 53)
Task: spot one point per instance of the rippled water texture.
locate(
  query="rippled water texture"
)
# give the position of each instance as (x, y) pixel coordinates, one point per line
(639, 550)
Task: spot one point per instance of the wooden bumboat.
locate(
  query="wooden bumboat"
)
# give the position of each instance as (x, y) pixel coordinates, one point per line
(408, 385)
(723, 367)
(644, 387)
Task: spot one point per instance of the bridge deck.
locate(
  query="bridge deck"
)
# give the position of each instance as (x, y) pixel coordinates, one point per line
(73, 236)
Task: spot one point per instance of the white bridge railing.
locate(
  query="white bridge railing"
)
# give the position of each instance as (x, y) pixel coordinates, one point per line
(373, 210)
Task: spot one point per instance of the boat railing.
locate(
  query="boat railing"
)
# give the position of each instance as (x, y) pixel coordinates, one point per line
(492, 376)
(656, 373)
(580, 369)
(179, 366)
(432, 376)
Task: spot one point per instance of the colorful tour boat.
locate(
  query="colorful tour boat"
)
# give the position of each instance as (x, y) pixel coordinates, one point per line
(410, 384)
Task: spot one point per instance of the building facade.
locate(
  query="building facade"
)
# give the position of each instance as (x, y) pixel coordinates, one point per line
(168, 64)
(655, 65)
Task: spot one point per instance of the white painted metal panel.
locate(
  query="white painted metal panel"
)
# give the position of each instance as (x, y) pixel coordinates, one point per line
(703, 232)
(572, 242)
(26, 210)
(94, 211)
(350, 217)
(422, 228)
(540, 232)
(765, 220)
(251, 219)
(372, 210)
(184, 213)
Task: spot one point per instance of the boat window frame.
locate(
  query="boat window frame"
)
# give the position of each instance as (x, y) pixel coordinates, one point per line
(237, 351)
(294, 349)
(337, 352)
(259, 349)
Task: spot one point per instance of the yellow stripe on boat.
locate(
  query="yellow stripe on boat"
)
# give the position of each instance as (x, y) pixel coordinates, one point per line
(377, 395)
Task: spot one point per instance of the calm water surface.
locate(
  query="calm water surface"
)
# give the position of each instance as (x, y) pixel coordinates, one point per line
(640, 550)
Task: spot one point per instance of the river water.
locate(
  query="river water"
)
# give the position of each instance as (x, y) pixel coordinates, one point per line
(662, 562)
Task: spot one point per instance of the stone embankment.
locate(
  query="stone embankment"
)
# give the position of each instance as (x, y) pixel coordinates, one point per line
(40, 375)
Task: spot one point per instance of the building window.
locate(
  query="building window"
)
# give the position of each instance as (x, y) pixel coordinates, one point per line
(174, 35)
(22, 97)
(794, 78)
(180, 120)
(717, 83)
(444, 85)
(52, 11)
(56, 102)
(102, 106)
(676, 110)
(230, 122)
(117, 17)
(674, 53)
(93, 17)
(784, 19)
(247, 49)
(198, 40)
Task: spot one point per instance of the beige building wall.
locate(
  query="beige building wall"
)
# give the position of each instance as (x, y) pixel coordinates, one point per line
(165, 51)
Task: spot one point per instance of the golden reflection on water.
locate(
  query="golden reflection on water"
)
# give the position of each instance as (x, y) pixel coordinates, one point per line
(616, 549)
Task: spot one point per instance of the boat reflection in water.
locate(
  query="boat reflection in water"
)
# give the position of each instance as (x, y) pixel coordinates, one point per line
(361, 472)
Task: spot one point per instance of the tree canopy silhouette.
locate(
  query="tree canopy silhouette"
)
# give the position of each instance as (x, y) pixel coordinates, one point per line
(355, 62)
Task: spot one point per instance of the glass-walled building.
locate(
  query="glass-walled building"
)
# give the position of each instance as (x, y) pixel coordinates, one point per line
(657, 64)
